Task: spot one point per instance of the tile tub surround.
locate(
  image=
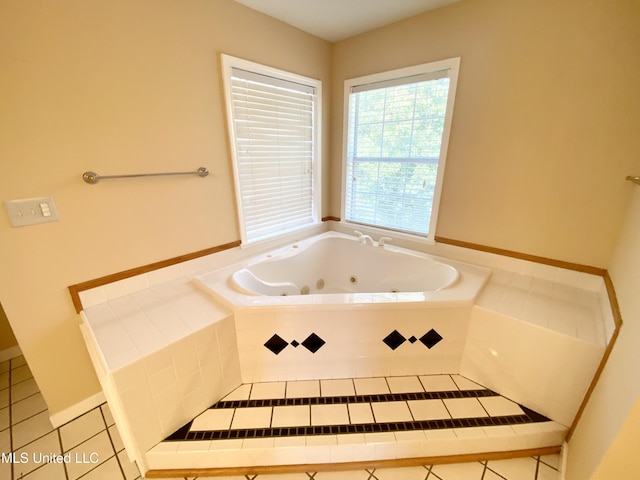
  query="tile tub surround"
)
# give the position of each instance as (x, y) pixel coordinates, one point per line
(547, 370)
(173, 286)
(284, 344)
(162, 356)
(377, 419)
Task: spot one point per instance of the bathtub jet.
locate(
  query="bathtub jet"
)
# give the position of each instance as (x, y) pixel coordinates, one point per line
(342, 265)
(334, 268)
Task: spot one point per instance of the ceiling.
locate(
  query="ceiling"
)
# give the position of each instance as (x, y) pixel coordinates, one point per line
(335, 20)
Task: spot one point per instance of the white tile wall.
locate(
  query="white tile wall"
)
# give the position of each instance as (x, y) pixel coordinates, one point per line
(169, 353)
(543, 369)
(353, 347)
(572, 310)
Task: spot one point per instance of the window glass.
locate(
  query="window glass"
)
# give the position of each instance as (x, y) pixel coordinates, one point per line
(397, 127)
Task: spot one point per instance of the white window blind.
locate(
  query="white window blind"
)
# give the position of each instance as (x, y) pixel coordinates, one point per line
(395, 135)
(273, 126)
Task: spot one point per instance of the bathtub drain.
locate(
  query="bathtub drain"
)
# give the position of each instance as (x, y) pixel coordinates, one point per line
(353, 279)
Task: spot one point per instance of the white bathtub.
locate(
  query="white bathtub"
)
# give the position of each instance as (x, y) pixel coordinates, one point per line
(333, 269)
(344, 265)
(342, 327)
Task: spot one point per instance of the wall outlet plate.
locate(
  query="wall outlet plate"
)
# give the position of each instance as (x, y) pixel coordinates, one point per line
(29, 211)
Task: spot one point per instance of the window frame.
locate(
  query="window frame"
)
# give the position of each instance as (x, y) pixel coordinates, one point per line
(228, 63)
(452, 65)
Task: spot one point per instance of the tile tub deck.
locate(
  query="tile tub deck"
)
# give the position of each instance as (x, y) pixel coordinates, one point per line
(181, 324)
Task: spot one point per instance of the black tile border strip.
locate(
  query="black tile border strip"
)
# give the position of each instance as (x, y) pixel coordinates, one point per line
(183, 434)
(386, 397)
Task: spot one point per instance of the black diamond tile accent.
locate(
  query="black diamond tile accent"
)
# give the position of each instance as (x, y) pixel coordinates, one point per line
(412, 339)
(430, 338)
(276, 344)
(295, 344)
(394, 340)
(313, 343)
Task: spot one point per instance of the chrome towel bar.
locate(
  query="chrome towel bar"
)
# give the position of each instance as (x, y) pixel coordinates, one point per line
(635, 180)
(93, 177)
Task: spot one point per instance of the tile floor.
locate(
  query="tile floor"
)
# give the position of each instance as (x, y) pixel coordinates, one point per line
(89, 447)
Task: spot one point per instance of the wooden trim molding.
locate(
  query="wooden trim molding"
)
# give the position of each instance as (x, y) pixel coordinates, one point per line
(75, 290)
(617, 318)
(326, 219)
(524, 256)
(336, 467)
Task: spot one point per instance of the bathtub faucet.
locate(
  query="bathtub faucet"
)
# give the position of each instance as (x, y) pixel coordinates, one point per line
(363, 238)
(383, 240)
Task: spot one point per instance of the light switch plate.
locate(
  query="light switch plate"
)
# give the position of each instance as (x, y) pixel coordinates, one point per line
(29, 211)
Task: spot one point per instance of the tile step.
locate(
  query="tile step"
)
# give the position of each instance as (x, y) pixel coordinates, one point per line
(242, 431)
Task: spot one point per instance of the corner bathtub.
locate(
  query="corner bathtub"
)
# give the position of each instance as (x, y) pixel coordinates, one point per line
(332, 307)
(343, 265)
(333, 268)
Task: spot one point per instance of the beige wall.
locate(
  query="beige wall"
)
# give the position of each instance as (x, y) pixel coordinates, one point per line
(620, 462)
(605, 426)
(545, 123)
(7, 338)
(116, 86)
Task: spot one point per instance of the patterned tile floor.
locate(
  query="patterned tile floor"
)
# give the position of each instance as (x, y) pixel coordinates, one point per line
(422, 407)
(90, 447)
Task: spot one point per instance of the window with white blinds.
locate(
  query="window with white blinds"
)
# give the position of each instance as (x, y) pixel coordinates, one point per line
(398, 128)
(274, 125)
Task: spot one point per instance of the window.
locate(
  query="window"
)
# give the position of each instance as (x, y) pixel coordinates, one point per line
(397, 133)
(274, 124)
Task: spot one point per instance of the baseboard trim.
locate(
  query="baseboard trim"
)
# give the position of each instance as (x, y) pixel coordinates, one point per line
(65, 416)
(9, 353)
